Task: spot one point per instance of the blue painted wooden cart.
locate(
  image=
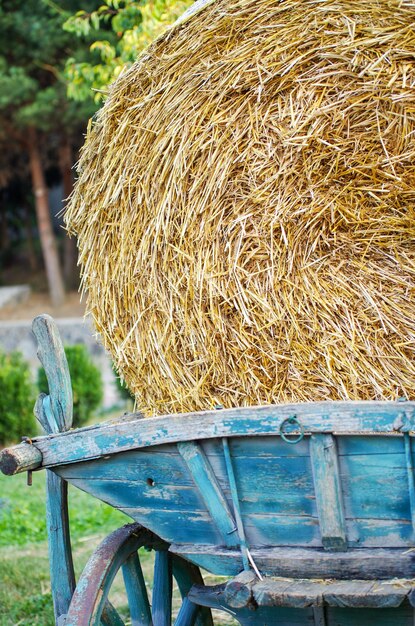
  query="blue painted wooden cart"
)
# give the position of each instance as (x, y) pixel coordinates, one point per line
(308, 509)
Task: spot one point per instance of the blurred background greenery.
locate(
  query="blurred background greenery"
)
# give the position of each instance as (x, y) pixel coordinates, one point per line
(57, 59)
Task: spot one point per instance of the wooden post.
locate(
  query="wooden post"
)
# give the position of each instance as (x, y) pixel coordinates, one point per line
(54, 412)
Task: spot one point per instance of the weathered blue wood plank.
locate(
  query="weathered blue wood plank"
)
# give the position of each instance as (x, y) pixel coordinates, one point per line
(265, 523)
(328, 492)
(410, 477)
(326, 417)
(186, 575)
(367, 445)
(252, 615)
(60, 553)
(375, 533)
(135, 586)
(162, 589)
(159, 465)
(54, 412)
(370, 617)
(257, 447)
(134, 494)
(370, 564)
(177, 525)
(187, 614)
(210, 491)
(161, 476)
(375, 486)
(57, 414)
(257, 478)
(235, 503)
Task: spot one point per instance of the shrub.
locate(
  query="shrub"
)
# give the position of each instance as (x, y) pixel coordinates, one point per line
(87, 386)
(17, 398)
(123, 391)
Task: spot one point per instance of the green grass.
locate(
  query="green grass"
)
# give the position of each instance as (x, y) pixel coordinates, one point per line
(22, 512)
(25, 597)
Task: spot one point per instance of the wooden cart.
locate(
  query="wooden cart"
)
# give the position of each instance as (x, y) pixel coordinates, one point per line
(307, 509)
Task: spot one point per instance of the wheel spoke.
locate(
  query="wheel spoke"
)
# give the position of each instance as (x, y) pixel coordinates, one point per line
(162, 590)
(136, 592)
(110, 616)
(187, 615)
(186, 575)
(91, 593)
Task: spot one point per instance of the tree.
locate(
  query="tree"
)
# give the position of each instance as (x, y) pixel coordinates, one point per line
(34, 109)
(120, 30)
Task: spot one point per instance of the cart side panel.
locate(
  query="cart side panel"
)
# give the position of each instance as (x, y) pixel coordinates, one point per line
(276, 486)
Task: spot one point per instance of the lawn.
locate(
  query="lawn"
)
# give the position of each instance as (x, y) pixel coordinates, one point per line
(25, 598)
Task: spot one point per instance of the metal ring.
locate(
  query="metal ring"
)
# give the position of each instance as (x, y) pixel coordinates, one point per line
(293, 421)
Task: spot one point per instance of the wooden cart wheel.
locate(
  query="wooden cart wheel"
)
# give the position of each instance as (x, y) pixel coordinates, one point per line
(90, 605)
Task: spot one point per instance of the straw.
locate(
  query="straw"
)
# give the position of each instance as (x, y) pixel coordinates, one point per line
(245, 207)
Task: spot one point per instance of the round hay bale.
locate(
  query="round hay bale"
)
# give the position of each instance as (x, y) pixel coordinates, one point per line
(245, 207)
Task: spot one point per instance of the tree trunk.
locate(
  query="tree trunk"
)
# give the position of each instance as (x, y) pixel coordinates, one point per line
(4, 231)
(47, 237)
(31, 252)
(70, 271)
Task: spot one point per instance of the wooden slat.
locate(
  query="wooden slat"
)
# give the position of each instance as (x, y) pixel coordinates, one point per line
(235, 503)
(410, 476)
(271, 592)
(370, 564)
(162, 589)
(172, 525)
(323, 454)
(54, 413)
(138, 603)
(186, 575)
(210, 491)
(323, 417)
(319, 615)
(345, 593)
(366, 594)
(403, 616)
(59, 544)
(52, 356)
(187, 614)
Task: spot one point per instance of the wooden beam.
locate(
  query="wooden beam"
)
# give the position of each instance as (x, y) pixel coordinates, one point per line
(410, 474)
(21, 458)
(162, 589)
(52, 356)
(367, 563)
(210, 491)
(315, 417)
(327, 487)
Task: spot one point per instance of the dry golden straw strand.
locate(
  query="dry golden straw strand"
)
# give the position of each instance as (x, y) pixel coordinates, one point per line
(245, 207)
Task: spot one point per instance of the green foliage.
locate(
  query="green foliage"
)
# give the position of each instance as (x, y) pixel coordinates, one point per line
(33, 50)
(17, 398)
(86, 380)
(121, 30)
(123, 391)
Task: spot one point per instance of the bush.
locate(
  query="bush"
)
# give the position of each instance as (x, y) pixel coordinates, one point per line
(123, 391)
(17, 398)
(87, 387)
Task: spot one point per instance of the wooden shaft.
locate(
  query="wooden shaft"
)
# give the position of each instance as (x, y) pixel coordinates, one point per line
(20, 458)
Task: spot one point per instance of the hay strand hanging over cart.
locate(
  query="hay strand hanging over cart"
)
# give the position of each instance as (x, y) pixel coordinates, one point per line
(246, 207)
